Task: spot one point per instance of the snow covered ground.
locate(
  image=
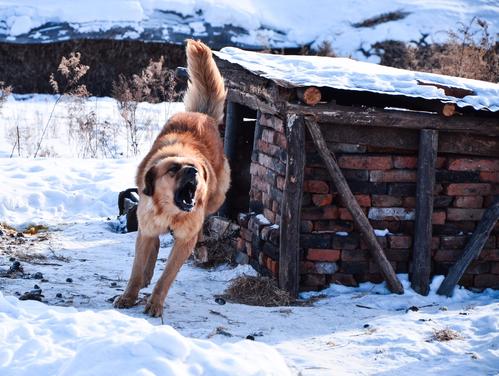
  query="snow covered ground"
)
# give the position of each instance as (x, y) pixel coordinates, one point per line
(248, 23)
(82, 264)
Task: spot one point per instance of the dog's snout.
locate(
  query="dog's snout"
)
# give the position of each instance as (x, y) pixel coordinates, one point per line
(190, 171)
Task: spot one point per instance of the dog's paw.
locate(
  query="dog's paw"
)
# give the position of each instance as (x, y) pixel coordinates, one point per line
(124, 301)
(153, 308)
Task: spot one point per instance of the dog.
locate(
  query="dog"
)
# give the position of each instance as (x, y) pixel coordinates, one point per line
(181, 180)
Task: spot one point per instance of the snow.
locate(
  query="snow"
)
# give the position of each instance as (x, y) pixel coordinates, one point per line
(290, 23)
(46, 340)
(343, 330)
(348, 74)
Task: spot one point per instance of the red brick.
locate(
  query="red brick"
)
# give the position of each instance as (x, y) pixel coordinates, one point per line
(468, 189)
(440, 162)
(330, 255)
(272, 122)
(435, 243)
(307, 267)
(477, 267)
(316, 186)
(393, 176)
(268, 135)
(405, 162)
(490, 176)
(316, 213)
(273, 266)
(269, 214)
(333, 226)
(487, 281)
(447, 255)
(280, 180)
(466, 280)
(464, 214)
(468, 202)
(360, 162)
(374, 268)
(345, 214)
(363, 200)
(400, 242)
(313, 280)
(468, 164)
(343, 279)
(397, 255)
(409, 202)
(322, 199)
(494, 267)
(385, 201)
(306, 226)
(453, 242)
(489, 255)
(438, 218)
(280, 140)
(270, 149)
(354, 255)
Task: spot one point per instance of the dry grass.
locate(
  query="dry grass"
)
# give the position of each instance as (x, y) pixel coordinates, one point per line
(444, 335)
(382, 18)
(154, 84)
(257, 291)
(469, 52)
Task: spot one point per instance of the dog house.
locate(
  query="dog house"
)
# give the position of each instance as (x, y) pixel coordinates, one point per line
(348, 172)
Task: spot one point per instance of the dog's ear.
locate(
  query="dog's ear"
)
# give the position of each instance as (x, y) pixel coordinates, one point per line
(149, 181)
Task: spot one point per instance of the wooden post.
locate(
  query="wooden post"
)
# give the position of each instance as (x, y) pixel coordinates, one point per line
(353, 206)
(472, 250)
(421, 259)
(289, 242)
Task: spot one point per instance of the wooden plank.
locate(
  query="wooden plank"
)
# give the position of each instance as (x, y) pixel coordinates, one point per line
(374, 117)
(397, 138)
(421, 259)
(351, 203)
(251, 101)
(289, 243)
(472, 249)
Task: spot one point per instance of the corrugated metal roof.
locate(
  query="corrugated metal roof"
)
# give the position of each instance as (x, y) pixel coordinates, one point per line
(348, 74)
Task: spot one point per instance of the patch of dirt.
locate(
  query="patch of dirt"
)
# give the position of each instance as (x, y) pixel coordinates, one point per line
(444, 335)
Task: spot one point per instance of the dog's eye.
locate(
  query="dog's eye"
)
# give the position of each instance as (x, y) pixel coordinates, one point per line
(173, 169)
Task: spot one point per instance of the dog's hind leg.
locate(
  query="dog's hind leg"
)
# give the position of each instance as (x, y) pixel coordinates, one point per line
(180, 253)
(145, 247)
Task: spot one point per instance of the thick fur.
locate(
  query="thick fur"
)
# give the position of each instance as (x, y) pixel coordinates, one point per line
(190, 141)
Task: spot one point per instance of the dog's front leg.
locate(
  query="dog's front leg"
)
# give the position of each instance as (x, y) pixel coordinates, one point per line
(180, 253)
(146, 250)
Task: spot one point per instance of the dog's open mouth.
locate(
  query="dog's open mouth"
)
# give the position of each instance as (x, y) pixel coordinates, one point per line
(185, 196)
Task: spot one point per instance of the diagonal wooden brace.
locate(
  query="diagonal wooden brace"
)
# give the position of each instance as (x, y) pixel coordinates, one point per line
(472, 250)
(352, 205)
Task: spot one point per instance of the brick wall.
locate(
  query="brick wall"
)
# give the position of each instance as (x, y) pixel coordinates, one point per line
(384, 183)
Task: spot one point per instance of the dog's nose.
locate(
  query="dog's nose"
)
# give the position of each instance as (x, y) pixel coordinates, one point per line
(190, 171)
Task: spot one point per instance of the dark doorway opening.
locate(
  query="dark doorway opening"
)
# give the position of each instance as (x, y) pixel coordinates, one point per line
(238, 145)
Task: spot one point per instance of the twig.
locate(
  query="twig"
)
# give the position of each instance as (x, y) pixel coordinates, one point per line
(47, 125)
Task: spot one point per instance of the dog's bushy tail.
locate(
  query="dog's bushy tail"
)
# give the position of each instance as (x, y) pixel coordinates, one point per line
(205, 91)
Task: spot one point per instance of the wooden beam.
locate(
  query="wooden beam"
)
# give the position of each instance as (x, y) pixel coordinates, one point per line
(407, 139)
(351, 203)
(374, 117)
(472, 250)
(309, 95)
(289, 243)
(251, 101)
(421, 259)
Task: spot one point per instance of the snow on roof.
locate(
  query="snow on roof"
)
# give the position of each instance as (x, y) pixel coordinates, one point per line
(245, 23)
(348, 74)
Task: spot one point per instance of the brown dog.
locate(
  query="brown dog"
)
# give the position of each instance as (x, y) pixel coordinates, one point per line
(182, 179)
